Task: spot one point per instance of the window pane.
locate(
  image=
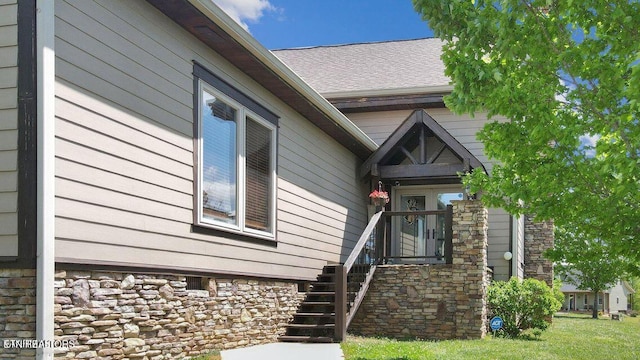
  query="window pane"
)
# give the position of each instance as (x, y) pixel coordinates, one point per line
(259, 176)
(413, 232)
(219, 173)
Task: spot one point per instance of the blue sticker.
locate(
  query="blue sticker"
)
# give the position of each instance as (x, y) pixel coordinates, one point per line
(496, 323)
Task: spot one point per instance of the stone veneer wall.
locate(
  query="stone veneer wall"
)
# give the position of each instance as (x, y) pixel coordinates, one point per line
(433, 301)
(538, 237)
(112, 315)
(17, 311)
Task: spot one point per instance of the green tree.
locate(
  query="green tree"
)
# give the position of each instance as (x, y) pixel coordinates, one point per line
(566, 76)
(635, 298)
(586, 263)
(522, 305)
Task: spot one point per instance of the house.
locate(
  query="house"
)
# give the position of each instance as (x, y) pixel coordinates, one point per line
(396, 97)
(386, 95)
(613, 300)
(168, 186)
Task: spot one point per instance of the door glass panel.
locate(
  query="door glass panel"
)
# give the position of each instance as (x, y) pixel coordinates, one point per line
(443, 199)
(413, 231)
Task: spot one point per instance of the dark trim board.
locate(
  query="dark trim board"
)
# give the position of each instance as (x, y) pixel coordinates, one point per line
(71, 264)
(27, 140)
(386, 103)
(420, 171)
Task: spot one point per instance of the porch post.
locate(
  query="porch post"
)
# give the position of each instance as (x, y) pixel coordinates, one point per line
(340, 331)
(448, 235)
(380, 238)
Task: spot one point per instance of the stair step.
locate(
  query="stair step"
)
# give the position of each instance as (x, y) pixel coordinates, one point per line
(318, 303)
(321, 293)
(328, 275)
(315, 314)
(329, 269)
(301, 338)
(311, 326)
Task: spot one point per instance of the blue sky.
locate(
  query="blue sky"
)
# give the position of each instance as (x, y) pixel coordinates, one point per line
(281, 24)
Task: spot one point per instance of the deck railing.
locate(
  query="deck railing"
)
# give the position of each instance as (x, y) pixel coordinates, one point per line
(374, 248)
(416, 250)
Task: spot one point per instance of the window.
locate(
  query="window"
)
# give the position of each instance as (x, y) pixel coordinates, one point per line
(236, 159)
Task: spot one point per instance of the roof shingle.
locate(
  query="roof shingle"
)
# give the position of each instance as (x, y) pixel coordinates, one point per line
(369, 66)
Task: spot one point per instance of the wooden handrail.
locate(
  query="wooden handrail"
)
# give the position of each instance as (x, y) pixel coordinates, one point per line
(362, 241)
(343, 317)
(360, 297)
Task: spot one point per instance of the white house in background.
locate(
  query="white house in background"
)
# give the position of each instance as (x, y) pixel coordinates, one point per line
(613, 300)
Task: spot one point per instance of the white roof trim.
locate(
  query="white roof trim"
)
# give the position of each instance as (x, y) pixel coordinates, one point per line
(213, 12)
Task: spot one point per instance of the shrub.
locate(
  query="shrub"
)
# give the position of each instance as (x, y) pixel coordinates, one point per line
(522, 305)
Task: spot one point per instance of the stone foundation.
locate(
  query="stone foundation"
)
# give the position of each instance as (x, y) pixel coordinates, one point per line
(114, 315)
(17, 311)
(434, 302)
(538, 237)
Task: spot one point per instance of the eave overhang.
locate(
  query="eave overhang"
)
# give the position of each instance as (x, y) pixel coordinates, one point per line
(213, 27)
(410, 98)
(388, 103)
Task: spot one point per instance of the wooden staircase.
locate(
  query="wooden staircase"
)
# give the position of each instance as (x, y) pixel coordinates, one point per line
(315, 321)
(334, 298)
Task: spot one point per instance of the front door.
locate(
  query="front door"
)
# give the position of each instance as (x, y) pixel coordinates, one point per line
(420, 238)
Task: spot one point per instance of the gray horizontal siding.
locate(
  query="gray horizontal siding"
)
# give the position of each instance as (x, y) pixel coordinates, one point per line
(124, 154)
(8, 128)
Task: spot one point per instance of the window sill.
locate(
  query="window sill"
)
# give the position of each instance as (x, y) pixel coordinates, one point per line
(233, 234)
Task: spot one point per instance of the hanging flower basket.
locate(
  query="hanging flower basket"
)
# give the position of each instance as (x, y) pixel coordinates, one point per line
(379, 197)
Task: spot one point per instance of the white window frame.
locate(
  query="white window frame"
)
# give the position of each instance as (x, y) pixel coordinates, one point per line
(241, 180)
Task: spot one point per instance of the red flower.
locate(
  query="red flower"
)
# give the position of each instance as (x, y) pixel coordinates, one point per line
(379, 194)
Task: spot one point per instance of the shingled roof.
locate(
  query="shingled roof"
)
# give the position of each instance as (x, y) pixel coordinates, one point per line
(376, 66)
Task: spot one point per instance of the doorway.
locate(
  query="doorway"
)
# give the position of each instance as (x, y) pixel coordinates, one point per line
(419, 239)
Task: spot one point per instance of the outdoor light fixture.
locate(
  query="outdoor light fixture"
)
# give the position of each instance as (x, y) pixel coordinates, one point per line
(508, 255)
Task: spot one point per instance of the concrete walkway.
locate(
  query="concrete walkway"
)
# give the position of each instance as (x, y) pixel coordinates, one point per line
(285, 351)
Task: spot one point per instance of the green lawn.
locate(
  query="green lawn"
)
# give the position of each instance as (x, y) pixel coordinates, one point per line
(570, 337)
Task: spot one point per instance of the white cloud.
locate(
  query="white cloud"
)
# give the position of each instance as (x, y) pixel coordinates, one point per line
(245, 10)
(589, 140)
(588, 144)
(221, 193)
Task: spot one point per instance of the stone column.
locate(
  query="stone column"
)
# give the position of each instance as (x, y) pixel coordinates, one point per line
(470, 243)
(538, 237)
